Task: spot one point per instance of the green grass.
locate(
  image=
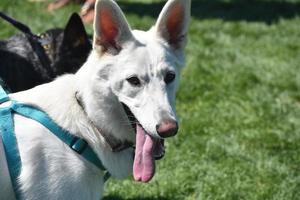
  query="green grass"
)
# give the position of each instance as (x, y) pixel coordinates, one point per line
(239, 101)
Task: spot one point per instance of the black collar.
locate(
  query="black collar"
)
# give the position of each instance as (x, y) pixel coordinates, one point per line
(113, 143)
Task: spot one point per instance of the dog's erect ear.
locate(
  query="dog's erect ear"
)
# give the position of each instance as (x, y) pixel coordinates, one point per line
(172, 23)
(111, 29)
(74, 33)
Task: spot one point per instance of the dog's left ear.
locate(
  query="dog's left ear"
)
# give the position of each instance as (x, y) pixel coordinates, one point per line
(111, 30)
(172, 23)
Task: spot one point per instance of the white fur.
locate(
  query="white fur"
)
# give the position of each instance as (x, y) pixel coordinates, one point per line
(50, 169)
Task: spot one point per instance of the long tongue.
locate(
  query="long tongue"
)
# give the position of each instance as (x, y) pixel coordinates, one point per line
(144, 165)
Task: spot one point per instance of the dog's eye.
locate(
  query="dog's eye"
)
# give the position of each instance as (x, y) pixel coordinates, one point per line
(170, 76)
(135, 81)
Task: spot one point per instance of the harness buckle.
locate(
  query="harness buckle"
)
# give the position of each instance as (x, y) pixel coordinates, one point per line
(78, 145)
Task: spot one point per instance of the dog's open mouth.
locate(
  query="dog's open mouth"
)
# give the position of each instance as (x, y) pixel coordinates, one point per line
(147, 150)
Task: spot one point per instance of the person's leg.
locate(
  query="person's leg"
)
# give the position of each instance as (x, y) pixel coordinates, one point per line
(87, 11)
(57, 4)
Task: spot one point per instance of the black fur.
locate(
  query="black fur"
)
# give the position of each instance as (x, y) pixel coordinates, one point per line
(67, 49)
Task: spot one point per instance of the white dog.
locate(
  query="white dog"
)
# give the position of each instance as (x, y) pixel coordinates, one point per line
(123, 94)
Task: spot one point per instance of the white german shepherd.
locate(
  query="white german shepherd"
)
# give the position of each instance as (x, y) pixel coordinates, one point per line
(127, 83)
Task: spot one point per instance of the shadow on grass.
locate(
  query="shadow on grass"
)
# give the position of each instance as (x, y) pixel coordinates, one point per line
(236, 10)
(137, 198)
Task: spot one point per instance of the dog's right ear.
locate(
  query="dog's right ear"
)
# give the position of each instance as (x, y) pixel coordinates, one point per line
(111, 30)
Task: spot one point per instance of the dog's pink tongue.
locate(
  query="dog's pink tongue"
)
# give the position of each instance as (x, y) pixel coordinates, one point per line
(144, 165)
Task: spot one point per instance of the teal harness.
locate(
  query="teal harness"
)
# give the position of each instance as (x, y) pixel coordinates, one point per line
(10, 144)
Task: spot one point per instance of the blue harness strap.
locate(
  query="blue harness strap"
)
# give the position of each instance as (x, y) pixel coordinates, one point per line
(77, 144)
(10, 143)
(10, 147)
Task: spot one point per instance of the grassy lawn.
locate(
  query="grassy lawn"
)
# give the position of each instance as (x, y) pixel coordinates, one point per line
(239, 100)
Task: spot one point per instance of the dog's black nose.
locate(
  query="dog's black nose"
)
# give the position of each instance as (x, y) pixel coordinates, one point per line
(167, 128)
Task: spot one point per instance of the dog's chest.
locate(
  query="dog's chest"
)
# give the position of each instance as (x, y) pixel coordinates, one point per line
(50, 170)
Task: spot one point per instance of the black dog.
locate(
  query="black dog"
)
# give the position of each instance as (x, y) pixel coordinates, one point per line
(23, 65)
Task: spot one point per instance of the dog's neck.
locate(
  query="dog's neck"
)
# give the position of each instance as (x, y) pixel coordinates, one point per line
(114, 144)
